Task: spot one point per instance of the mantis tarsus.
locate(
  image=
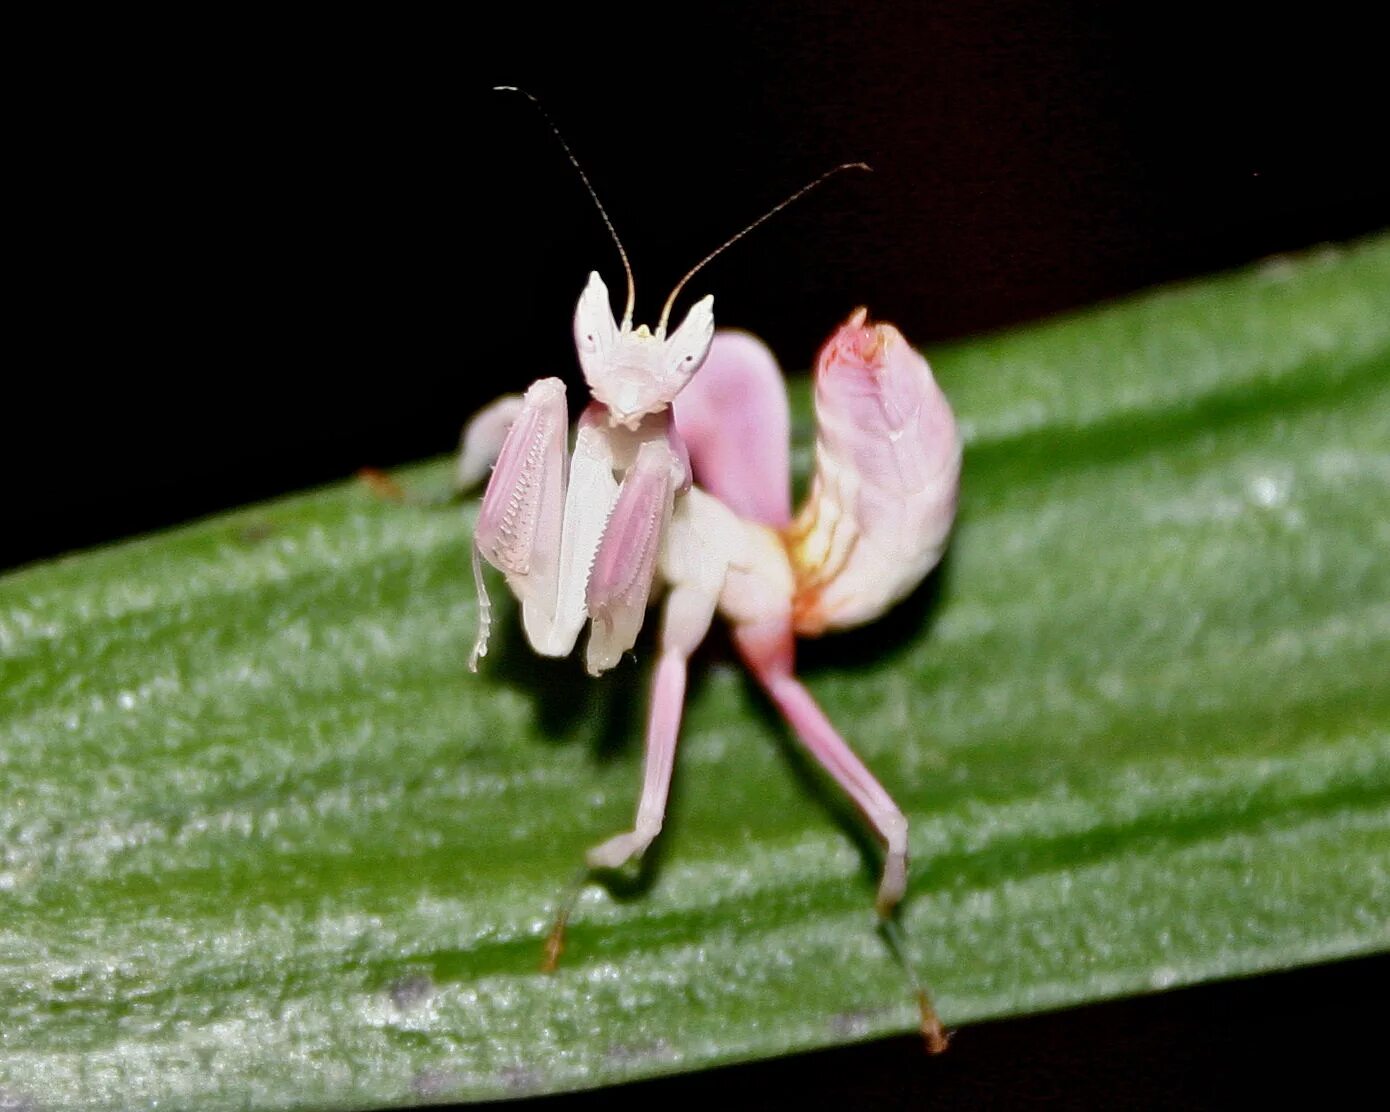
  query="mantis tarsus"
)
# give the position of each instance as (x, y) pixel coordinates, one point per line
(681, 480)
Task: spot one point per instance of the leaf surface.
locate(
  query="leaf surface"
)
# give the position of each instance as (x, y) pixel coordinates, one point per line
(265, 842)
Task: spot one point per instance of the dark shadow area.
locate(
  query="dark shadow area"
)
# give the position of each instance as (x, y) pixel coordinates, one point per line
(876, 644)
(568, 700)
(1307, 1038)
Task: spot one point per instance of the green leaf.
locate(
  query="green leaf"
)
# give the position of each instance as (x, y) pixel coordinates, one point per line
(264, 841)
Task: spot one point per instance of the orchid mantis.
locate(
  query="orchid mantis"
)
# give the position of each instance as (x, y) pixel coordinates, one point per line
(874, 522)
(679, 482)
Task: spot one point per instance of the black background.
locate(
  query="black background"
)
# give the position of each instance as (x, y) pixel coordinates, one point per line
(259, 253)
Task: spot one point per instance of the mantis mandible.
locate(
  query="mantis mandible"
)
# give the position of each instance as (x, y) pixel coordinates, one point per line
(681, 480)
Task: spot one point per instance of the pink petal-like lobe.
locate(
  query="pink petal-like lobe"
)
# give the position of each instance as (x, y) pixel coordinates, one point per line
(883, 496)
(735, 421)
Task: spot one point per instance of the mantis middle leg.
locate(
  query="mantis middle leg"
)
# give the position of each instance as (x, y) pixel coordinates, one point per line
(694, 561)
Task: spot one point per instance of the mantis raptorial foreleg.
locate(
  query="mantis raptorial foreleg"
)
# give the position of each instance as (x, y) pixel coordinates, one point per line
(521, 519)
(592, 491)
(579, 538)
(624, 566)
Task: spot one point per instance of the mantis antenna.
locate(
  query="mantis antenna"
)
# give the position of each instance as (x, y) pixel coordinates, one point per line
(627, 267)
(773, 211)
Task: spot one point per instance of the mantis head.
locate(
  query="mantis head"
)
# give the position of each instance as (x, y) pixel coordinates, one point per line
(637, 372)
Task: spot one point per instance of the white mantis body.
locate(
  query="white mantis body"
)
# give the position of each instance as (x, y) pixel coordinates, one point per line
(679, 480)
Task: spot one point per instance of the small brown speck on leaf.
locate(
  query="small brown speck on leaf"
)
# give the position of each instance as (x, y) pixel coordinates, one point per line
(410, 992)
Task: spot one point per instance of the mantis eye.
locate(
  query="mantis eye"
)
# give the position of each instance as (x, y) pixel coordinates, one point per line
(689, 344)
(595, 331)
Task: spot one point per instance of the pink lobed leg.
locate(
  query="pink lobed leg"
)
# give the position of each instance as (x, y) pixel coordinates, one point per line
(736, 424)
(689, 611)
(767, 647)
(663, 727)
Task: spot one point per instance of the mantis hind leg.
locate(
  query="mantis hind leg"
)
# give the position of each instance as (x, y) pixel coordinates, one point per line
(736, 424)
(763, 635)
(767, 647)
